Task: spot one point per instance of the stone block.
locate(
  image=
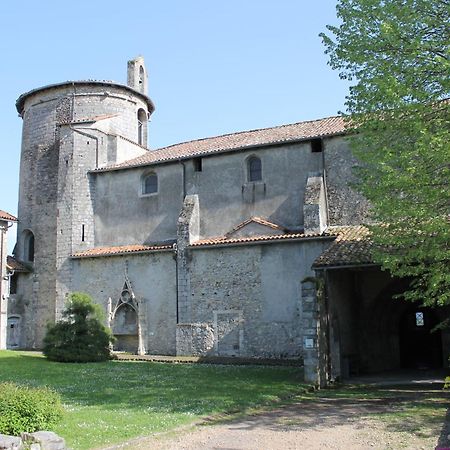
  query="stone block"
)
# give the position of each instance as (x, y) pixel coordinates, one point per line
(46, 439)
(10, 442)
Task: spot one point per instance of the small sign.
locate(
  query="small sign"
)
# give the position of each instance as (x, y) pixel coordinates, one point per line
(308, 343)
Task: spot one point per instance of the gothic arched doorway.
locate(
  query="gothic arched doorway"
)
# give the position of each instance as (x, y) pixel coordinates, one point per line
(125, 329)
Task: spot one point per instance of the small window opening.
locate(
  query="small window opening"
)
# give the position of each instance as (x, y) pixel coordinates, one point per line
(82, 233)
(198, 164)
(254, 167)
(13, 284)
(141, 75)
(140, 132)
(150, 184)
(142, 127)
(316, 145)
(28, 246)
(420, 322)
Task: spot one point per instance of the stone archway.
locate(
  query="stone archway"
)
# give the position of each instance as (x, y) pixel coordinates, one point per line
(376, 332)
(127, 322)
(125, 329)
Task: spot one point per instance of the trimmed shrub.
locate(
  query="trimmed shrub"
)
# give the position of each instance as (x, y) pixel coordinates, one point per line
(80, 336)
(25, 409)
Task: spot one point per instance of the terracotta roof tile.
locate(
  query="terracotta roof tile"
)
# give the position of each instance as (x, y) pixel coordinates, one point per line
(6, 216)
(89, 119)
(223, 240)
(121, 250)
(13, 264)
(258, 220)
(238, 141)
(352, 247)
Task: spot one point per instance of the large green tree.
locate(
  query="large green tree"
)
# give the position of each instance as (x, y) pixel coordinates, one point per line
(396, 55)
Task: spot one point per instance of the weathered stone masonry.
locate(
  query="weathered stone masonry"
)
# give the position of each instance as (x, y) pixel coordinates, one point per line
(240, 247)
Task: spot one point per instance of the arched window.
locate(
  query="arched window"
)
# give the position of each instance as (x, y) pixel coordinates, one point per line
(254, 169)
(28, 246)
(150, 184)
(142, 127)
(141, 75)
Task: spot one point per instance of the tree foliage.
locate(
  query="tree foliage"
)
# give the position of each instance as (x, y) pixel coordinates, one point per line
(396, 54)
(80, 336)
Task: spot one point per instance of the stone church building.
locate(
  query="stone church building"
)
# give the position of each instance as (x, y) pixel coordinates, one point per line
(247, 245)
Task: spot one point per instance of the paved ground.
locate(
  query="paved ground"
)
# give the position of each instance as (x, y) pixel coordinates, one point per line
(325, 423)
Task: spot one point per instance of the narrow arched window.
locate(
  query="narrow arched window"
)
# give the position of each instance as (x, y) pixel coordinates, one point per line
(28, 246)
(150, 184)
(142, 127)
(254, 169)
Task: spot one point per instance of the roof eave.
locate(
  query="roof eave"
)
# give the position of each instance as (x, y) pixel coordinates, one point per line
(20, 102)
(344, 266)
(260, 242)
(218, 152)
(124, 253)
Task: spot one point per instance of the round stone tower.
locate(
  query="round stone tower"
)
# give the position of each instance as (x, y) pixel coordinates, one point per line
(69, 129)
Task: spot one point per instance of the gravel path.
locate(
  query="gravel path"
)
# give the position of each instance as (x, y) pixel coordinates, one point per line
(324, 423)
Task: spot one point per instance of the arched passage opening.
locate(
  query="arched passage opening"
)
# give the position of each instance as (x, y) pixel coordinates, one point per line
(420, 344)
(377, 331)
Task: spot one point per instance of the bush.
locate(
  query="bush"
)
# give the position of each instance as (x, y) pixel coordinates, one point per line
(24, 409)
(80, 336)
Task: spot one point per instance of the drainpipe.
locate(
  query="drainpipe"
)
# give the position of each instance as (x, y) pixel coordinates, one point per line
(175, 257)
(183, 177)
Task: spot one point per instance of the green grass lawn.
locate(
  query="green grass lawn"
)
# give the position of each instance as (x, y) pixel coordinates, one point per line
(111, 402)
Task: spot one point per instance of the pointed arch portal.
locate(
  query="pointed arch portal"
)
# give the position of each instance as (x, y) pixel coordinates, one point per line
(126, 322)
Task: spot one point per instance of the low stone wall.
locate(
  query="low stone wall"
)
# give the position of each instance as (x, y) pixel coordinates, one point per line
(40, 440)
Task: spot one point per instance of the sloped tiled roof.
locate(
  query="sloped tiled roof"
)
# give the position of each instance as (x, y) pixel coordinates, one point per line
(258, 220)
(329, 126)
(13, 264)
(223, 240)
(121, 250)
(89, 119)
(352, 247)
(6, 216)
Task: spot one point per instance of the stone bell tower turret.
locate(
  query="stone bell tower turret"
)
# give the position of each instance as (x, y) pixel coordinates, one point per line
(137, 75)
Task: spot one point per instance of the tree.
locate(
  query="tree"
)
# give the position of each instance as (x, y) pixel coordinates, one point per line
(80, 336)
(396, 55)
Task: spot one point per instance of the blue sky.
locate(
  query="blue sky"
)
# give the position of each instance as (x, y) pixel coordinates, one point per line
(214, 67)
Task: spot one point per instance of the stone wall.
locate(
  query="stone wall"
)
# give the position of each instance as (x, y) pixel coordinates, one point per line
(59, 147)
(152, 279)
(250, 296)
(195, 339)
(124, 216)
(345, 205)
